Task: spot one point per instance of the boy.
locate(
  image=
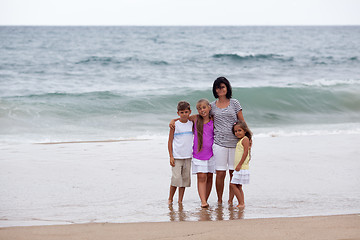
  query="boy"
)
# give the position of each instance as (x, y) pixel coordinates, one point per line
(180, 151)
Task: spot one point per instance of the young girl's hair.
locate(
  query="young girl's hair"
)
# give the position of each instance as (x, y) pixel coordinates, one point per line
(200, 124)
(247, 131)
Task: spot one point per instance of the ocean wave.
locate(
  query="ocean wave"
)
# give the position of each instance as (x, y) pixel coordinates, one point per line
(331, 60)
(328, 83)
(105, 61)
(253, 57)
(111, 114)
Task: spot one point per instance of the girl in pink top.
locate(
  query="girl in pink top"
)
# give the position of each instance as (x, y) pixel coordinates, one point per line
(203, 163)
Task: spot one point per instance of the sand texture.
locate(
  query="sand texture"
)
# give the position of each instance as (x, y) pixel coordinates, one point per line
(317, 228)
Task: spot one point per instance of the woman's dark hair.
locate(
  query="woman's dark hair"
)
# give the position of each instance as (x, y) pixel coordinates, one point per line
(217, 83)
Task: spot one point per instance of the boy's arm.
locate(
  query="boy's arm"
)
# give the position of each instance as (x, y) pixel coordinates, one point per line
(170, 148)
(245, 144)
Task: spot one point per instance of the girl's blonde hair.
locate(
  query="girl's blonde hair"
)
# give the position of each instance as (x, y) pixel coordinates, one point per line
(200, 124)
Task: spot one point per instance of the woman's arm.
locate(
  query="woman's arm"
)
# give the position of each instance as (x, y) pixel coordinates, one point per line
(240, 116)
(245, 144)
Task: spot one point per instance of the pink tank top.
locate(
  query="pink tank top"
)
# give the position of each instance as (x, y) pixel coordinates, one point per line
(208, 139)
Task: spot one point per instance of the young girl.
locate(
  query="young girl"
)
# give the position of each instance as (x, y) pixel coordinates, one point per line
(242, 158)
(203, 163)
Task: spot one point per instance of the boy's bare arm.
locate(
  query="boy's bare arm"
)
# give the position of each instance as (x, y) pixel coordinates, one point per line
(170, 149)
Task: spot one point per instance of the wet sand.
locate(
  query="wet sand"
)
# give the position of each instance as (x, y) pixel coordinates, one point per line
(57, 184)
(317, 228)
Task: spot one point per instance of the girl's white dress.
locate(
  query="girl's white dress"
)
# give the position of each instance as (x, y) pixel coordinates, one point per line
(242, 176)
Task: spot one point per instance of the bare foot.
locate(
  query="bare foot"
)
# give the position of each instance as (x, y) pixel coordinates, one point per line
(205, 205)
(230, 202)
(241, 206)
(170, 202)
(219, 202)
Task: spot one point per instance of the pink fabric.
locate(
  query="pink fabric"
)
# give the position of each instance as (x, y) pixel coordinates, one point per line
(208, 139)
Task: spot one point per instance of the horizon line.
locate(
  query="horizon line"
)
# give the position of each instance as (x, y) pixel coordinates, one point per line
(155, 25)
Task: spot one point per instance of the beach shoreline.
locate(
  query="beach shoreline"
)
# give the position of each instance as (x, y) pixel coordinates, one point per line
(315, 227)
(52, 184)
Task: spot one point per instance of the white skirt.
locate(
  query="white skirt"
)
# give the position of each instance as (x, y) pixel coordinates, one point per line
(203, 166)
(241, 177)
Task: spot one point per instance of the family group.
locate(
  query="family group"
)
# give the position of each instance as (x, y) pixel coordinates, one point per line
(215, 140)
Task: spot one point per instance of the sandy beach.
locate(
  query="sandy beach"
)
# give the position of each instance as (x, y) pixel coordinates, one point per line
(323, 227)
(97, 182)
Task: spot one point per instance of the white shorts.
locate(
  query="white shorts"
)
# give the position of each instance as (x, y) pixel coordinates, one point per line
(224, 158)
(241, 177)
(203, 166)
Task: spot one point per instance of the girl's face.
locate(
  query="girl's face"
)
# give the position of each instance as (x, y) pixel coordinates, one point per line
(221, 90)
(239, 132)
(203, 109)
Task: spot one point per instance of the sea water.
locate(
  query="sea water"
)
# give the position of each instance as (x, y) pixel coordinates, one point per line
(99, 83)
(83, 84)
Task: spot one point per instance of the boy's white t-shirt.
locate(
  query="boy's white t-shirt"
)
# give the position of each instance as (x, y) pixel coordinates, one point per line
(183, 140)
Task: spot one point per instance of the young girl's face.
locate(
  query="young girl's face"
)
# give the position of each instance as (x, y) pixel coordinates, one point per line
(239, 132)
(203, 109)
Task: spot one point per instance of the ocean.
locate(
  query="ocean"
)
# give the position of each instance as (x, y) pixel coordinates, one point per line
(100, 83)
(111, 92)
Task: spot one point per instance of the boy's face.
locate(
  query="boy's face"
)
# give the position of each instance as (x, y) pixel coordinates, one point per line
(184, 114)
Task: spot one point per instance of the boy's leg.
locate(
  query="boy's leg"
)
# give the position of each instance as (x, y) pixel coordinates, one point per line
(181, 194)
(175, 179)
(185, 176)
(171, 194)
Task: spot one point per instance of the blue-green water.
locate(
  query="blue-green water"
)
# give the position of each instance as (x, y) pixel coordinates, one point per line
(98, 83)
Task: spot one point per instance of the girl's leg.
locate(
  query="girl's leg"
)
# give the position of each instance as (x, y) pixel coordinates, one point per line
(171, 194)
(231, 192)
(237, 188)
(220, 177)
(209, 182)
(202, 179)
(242, 200)
(181, 194)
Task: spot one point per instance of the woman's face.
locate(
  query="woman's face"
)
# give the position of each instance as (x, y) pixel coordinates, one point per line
(221, 91)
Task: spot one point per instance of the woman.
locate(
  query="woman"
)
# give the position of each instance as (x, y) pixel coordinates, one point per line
(226, 111)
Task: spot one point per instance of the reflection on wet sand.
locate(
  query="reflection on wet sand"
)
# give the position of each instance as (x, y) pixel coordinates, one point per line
(215, 213)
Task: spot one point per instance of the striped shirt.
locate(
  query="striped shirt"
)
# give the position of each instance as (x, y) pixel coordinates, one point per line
(183, 140)
(224, 119)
